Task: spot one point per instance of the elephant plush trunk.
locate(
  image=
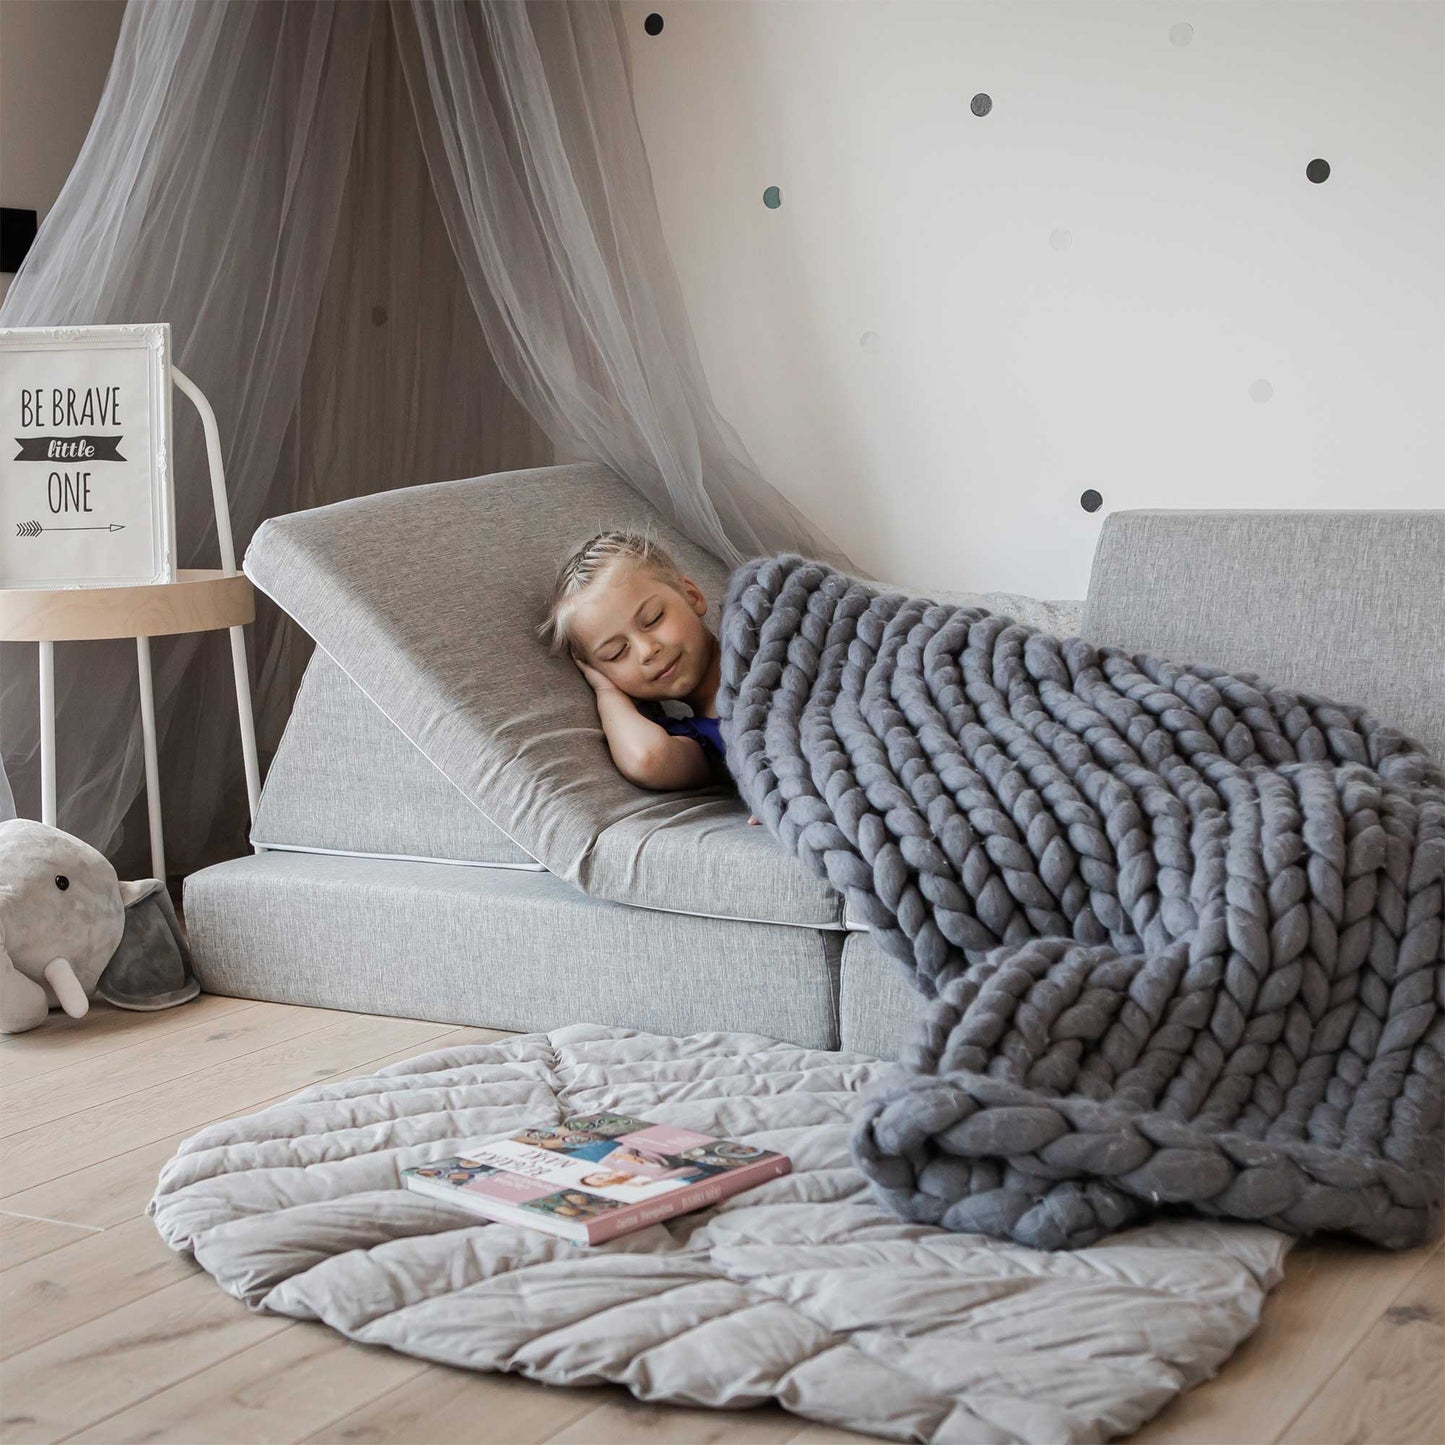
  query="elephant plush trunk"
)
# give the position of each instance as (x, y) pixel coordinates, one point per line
(61, 977)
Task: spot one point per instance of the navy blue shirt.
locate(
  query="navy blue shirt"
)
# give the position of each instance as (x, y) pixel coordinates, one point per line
(703, 730)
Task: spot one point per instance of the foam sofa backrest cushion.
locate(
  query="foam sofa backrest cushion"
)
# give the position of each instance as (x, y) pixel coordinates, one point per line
(1349, 605)
(428, 599)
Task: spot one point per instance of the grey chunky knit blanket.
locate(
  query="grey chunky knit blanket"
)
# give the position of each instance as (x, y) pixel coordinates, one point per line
(1178, 931)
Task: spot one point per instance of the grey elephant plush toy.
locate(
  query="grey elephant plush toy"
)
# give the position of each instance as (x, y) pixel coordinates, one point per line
(70, 929)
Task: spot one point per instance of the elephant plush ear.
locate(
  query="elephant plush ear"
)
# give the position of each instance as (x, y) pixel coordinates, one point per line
(151, 968)
(135, 892)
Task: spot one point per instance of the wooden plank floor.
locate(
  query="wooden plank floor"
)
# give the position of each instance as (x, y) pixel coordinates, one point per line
(106, 1336)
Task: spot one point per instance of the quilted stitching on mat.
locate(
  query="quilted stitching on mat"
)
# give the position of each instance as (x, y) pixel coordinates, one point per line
(804, 1291)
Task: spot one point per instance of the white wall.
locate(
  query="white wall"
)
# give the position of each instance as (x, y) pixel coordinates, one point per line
(54, 57)
(1077, 290)
(1087, 288)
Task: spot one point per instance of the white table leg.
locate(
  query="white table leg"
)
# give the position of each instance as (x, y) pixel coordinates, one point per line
(47, 734)
(247, 720)
(153, 767)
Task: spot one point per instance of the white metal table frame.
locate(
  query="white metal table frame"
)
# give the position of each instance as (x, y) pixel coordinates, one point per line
(143, 663)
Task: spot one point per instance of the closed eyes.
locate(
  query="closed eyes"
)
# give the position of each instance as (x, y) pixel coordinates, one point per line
(616, 656)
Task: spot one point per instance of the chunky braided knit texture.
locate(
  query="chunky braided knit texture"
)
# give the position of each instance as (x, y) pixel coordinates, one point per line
(1180, 931)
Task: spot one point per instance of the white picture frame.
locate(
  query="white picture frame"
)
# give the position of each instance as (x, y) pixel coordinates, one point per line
(86, 493)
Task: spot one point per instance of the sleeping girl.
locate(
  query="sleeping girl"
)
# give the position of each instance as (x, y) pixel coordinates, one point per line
(634, 626)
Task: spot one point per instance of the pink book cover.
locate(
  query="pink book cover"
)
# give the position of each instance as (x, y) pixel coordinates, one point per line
(594, 1177)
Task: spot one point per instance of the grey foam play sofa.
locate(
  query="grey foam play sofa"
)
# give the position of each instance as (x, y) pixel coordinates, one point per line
(442, 834)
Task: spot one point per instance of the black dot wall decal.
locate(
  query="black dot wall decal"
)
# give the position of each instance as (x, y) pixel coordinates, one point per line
(981, 104)
(378, 315)
(653, 24)
(1318, 171)
(772, 198)
(1091, 501)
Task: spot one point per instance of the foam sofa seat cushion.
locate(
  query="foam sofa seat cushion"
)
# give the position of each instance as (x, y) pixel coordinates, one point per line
(1349, 605)
(344, 780)
(428, 599)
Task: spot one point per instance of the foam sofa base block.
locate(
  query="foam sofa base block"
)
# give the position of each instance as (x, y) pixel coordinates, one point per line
(499, 948)
(876, 1003)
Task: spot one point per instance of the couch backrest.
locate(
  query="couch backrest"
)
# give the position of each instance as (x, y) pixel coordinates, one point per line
(1346, 604)
(428, 599)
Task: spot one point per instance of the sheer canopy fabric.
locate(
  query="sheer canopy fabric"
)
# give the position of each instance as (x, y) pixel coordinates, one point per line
(526, 115)
(396, 243)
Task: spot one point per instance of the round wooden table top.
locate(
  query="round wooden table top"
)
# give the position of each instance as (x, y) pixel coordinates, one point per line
(199, 600)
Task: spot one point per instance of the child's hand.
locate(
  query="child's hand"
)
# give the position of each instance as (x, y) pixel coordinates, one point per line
(599, 683)
(752, 822)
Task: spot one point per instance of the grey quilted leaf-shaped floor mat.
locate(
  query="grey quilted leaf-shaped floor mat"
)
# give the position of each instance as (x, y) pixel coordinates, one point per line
(803, 1291)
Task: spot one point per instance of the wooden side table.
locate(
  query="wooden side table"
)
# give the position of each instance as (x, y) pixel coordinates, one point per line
(197, 601)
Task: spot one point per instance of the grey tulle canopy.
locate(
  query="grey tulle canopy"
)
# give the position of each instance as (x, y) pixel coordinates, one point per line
(396, 243)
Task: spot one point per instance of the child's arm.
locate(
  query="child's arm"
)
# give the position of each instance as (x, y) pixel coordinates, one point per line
(645, 753)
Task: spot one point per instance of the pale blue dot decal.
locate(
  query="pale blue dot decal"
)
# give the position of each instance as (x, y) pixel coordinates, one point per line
(1260, 390)
(772, 198)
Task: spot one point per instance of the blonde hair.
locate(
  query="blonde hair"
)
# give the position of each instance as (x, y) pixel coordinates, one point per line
(594, 559)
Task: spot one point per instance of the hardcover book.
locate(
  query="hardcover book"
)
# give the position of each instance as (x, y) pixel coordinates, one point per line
(594, 1177)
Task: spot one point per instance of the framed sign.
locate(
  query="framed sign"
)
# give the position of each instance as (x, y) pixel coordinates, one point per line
(86, 494)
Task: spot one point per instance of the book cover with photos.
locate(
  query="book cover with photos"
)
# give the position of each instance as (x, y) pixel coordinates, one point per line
(596, 1176)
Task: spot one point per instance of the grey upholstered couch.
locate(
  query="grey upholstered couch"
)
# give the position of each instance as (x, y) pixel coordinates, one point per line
(442, 834)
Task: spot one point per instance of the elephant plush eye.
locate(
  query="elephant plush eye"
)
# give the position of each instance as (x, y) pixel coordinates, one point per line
(62, 882)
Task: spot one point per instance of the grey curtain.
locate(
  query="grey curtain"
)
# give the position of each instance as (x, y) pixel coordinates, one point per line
(397, 243)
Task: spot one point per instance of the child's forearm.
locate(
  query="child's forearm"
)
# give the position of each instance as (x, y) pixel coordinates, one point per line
(630, 736)
(645, 753)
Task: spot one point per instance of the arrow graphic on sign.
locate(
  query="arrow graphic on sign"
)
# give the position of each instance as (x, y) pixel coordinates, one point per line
(34, 529)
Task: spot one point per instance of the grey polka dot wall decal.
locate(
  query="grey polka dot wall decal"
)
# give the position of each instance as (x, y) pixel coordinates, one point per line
(378, 315)
(1061, 240)
(981, 104)
(653, 24)
(1181, 34)
(1318, 171)
(1260, 390)
(870, 341)
(1091, 501)
(772, 198)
